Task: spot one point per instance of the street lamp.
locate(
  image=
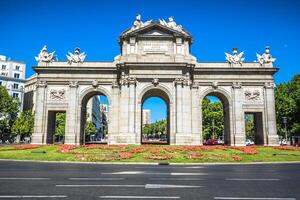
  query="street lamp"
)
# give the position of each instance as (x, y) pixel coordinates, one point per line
(285, 122)
(213, 126)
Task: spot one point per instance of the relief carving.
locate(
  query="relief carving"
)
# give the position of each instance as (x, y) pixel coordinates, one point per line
(57, 94)
(252, 95)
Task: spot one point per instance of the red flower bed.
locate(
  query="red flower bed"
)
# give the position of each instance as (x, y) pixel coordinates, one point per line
(290, 148)
(65, 148)
(138, 149)
(156, 150)
(103, 146)
(158, 157)
(246, 150)
(125, 155)
(194, 155)
(236, 158)
(27, 146)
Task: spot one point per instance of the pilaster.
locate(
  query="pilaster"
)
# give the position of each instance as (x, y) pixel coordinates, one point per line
(270, 118)
(72, 134)
(40, 119)
(239, 136)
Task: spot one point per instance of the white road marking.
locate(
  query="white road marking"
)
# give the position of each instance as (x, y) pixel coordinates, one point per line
(195, 167)
(177, 179)
(137, 197)
(134, 186)
(188, 174)
(33, 196)
(15, 178)
(249, 198)
(126, 173)
(154, 173)
(252, 179)
(147, 186)
(154, 186)
(96, 179)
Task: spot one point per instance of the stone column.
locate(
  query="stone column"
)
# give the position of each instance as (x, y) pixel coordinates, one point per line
(114, 115)
(178, 106)
(196, 132)
(239, 135)
(270, 115)
(132, 111)
(72, 134)
(40, 123)
(124, 111)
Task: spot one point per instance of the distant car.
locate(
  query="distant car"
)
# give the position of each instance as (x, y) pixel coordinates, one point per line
(249, 142)
(283, 142)
(211, 142)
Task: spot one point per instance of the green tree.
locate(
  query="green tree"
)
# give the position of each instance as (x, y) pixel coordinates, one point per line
(249, 126)
(60, 124)
(9, 108)
(89, 128)
(23, 125)
(212, 111)
(287, 104)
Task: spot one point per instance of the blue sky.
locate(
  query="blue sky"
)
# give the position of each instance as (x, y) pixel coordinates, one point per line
(94, 26)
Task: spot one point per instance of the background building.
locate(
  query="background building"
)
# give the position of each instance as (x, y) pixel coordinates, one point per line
(146, 116)
(12, 76)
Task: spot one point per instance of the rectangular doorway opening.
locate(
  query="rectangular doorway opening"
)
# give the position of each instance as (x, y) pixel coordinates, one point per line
(56, 127)
(254, 128)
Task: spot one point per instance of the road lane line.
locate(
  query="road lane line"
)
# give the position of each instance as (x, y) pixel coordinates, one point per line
(33, 196)
(252, 179)
(147, 186)
(156, 186)
(177, 179)
(15, 178)
(251, 198)
(96, 179)
(195, 167)
(134, 186)
(137, 197)
(154, 173)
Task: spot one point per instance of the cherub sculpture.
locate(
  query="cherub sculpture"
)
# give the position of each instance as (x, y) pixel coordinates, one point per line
(235, 58)
(44, 56)
(77, 57)
(265, 57)
(171, 24)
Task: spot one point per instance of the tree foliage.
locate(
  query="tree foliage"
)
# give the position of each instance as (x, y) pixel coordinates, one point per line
(9, 108)
(249, 126)
(89, 128)
(60, 124)
(287, 104)
(212, 111)
(23, 125)
(157, 128)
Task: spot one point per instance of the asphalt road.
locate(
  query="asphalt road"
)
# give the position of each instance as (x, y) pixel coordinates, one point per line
(32, 180)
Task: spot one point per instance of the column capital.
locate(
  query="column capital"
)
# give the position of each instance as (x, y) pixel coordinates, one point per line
(73, 84)
(41, 84)
(236, 85)
(269, 85)
(114, 84)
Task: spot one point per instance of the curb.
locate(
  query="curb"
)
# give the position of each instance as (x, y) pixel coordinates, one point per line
(146, 163)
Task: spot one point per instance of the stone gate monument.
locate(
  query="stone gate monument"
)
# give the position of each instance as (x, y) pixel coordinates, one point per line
(155, 60)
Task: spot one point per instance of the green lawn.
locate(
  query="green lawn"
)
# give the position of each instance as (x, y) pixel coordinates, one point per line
(150, 153)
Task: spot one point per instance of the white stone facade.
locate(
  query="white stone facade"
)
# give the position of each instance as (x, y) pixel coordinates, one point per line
(12, 76)
(155, 60)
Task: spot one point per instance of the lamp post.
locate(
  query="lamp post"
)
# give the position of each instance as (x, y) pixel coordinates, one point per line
(285, 122)
(213, 126)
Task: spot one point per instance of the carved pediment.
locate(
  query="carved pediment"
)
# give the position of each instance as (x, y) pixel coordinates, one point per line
(154, 29)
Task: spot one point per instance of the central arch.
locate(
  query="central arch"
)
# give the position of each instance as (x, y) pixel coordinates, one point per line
(85, 97)
(156, 92)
